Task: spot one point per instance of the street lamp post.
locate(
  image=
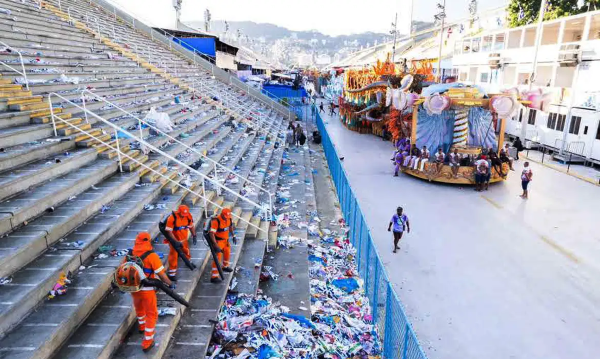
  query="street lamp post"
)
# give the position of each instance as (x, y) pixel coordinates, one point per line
(441, 16)
(395, 33)
(538, 41)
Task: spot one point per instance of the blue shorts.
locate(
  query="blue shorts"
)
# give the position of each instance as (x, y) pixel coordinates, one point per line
(480, 178)
(524, 185)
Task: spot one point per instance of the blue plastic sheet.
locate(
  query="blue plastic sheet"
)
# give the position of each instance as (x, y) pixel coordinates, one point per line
(348, 285)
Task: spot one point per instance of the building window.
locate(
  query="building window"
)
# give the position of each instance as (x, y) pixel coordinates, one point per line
(475, 44)
(484, 77)
(521, 115)
(531, 119)
(598, 133)
(551, 120)
(560, 122)
(574, 125)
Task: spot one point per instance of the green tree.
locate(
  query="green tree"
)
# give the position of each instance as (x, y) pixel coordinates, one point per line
(523, 12)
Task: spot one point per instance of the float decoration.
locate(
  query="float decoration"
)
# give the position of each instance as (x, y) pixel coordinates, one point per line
(462, 118)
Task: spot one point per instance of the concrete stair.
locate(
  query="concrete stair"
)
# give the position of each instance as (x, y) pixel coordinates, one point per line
(62, 197)
(194, 332)
(78, 345)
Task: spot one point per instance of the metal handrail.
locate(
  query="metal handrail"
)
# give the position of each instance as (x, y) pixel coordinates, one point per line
(215, 163)
(142, 164)
(232, 101)
(24, 74)
(243, 112)
(194, 51)
(151, 147)
(213, 63)
(247, 90)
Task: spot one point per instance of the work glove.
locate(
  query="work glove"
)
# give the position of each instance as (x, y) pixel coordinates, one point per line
(195, 239)
(173, 286)
(234, 239)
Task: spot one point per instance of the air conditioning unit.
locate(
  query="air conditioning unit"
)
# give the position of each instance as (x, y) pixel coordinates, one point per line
(569, 55)
(494, 61)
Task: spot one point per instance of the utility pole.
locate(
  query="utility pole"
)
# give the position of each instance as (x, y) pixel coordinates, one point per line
(441, 16)
(177, 6)
(538, 41)
(395, 33)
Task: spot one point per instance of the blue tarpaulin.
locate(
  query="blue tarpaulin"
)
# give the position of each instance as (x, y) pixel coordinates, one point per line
(282, 91)
(204, 45)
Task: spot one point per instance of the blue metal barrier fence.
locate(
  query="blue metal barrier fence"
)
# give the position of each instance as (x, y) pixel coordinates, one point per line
(399, 339)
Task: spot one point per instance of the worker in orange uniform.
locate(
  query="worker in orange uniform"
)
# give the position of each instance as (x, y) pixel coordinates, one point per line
(178, 226)
(221, 229)
(144, 300)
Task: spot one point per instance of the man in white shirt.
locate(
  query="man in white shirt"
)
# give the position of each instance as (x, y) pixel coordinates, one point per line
(454, 162)
(424, 158)
(439, 159)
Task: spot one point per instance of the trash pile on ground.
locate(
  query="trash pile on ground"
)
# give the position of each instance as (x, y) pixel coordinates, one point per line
(341, 323)
(338, 301)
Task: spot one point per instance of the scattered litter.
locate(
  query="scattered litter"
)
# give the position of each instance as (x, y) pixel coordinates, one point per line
(5, 280)
(76, 244)
(60, 288)
(166, 311)
(233, 284)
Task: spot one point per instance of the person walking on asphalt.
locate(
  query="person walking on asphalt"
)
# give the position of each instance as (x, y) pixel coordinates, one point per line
(399, 222)
(321, 108)
(526, 177)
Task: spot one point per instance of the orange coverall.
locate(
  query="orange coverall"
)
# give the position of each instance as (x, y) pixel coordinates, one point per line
(221, 228)
(179, 224)
(144, 301)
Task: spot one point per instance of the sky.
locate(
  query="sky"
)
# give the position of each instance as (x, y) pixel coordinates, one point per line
(331, 17)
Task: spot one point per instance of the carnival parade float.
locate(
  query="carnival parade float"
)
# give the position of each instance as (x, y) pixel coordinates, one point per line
(412, 110)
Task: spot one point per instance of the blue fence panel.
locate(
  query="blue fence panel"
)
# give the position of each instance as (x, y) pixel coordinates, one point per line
(398, 337)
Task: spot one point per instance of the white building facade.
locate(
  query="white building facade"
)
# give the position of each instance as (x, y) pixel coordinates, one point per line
(568, 67)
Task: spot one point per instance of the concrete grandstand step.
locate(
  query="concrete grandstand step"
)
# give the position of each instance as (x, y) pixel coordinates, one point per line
(75, 234)
(19, 179)
(15, 93)
(249, 266)
(106, 338)
(53, 320)
(22, 246)
(21, 208)
(23, 134)
(16, 156)
(252, 231)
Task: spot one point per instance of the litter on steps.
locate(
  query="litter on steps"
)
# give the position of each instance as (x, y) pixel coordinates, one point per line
(341, 321)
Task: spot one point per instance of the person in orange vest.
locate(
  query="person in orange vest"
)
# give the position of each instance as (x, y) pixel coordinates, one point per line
(178, 226)
(221, 229)
(144, 301)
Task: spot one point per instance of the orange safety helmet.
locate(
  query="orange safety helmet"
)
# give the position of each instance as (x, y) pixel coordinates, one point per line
(226, 213)
(183, 210)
